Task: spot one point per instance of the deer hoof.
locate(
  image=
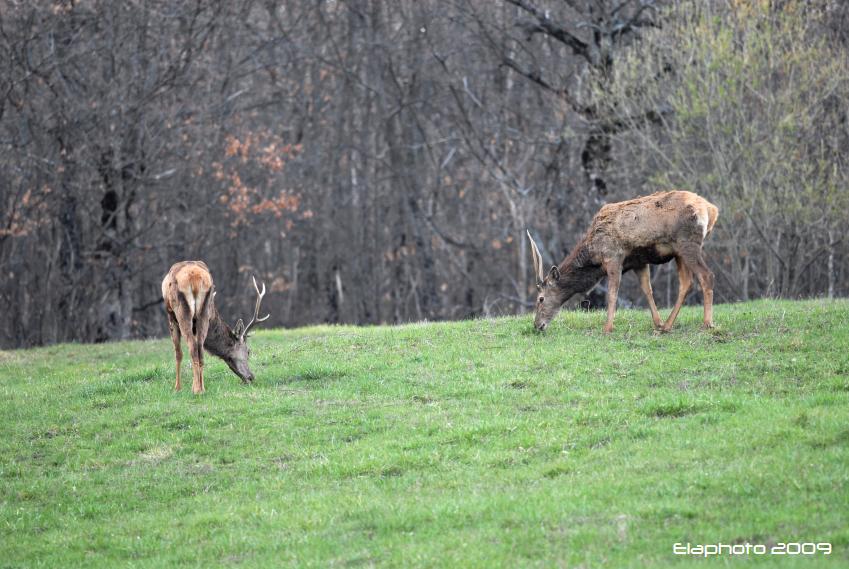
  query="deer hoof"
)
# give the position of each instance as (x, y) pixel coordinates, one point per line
(708, 326)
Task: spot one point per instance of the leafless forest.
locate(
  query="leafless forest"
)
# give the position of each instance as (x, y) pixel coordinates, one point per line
(378, 161)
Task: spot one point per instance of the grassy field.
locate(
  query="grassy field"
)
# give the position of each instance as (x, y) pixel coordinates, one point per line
(470, 444)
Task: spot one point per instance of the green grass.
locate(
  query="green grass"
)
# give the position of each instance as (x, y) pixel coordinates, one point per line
(469, 444)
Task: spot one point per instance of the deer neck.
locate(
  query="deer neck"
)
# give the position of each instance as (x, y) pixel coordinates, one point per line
(219, 337)
(578, 273)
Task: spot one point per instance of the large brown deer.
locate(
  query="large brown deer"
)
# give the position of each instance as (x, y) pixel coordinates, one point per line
(630, 236)
(189, 295)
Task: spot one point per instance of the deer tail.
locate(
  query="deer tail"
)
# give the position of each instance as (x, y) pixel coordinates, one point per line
(195, 293)
(198, 294)
(713, 213)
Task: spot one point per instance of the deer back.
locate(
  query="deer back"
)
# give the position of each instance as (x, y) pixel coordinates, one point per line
(658, 220)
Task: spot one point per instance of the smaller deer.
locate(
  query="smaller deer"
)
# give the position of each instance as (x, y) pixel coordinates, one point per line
(627, 236)
(189, 295)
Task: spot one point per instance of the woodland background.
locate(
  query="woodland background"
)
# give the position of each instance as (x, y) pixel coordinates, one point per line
(378, 161)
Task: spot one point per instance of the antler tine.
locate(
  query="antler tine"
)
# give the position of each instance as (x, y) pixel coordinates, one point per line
(537, 258)
(254, 319)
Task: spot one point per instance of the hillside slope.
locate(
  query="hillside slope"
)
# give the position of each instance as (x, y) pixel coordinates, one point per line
(475, 443)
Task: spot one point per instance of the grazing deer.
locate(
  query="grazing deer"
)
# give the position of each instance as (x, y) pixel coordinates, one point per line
(189, 296)
(627, 236)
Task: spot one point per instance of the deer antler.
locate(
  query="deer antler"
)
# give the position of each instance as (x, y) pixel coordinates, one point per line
(537, 259)
(254, 319)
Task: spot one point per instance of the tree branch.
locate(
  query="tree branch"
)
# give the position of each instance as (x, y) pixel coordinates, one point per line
(544, 25)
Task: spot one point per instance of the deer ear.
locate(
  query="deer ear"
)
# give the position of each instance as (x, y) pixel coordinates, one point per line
(554, 274)
(239, 328)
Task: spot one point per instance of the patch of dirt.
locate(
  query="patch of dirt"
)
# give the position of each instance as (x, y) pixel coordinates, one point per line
(156, 455)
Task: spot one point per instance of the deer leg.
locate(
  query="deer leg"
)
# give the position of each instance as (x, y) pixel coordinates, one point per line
(685, 280)
(202, 328)
(614, 276)
(200, 368)
(174, 328)
(645, 283)
(705, 277)
(197, 366)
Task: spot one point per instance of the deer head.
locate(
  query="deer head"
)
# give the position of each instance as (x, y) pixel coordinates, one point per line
(236, 352)
(550, 296)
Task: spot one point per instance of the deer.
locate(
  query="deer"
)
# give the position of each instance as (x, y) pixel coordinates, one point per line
(189, 295)
(630, 236)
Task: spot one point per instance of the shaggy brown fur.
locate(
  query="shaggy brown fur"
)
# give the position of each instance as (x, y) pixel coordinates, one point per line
(632, 235)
